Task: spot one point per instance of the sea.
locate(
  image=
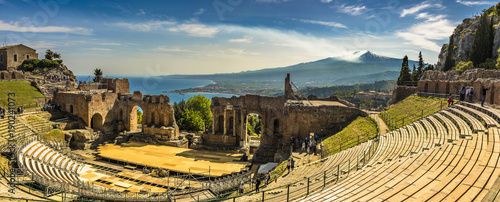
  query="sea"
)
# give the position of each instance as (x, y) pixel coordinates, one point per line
(156, 85)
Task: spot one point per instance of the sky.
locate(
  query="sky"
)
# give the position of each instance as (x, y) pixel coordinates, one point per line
(164, 37)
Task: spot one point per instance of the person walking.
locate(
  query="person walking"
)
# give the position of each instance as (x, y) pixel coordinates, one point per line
(267, 178)
(483, 90)
(257, 184)
(288, 164)
(292, 163)
(462, 93)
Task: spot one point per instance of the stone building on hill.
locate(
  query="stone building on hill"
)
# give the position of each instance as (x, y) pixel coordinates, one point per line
(11, 57)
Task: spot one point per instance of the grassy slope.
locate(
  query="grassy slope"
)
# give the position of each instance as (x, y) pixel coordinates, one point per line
(411, 109)
(54, 136)
(25, 93)
(364, 127)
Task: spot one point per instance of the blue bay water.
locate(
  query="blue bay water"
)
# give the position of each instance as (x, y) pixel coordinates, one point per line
(158, 85)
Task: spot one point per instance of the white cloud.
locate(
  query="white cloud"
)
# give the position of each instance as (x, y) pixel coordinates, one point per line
(234, 51)
(420, 7)
(352, 10)
(423, 34)
(110, 44)
(246, 39)
(195, 29)
(429, 17)
(475, 3)
(145, 26)
(326, 1)
(172, 49)
(98, 49)
(325, 23)
(141, 12)
(271, 1)
(200, 12)
(27, 26)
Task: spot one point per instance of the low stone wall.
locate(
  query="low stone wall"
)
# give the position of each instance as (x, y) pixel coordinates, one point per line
(220, 139)
(162, 133)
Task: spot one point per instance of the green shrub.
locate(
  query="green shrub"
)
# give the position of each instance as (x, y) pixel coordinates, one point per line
(36, 72)
(45, 63)
(464, 66)
(45, 69)
(59, 61)
(30, 64)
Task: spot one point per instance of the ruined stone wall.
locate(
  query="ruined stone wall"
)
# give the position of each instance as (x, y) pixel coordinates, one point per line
(451, 82)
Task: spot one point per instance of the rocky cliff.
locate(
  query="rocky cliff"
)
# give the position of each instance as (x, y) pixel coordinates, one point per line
(463, 36)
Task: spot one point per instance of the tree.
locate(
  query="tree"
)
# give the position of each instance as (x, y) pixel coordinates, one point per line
(414, 76)
(52, 55)
(192, 121)
(421, 66)
(201, 104)
(463, 66)
(254, 125)
(449, 62)
(482, 45)
(179, 112)
(429, 68)
(97, 75)
(404, 74)
(139, 117)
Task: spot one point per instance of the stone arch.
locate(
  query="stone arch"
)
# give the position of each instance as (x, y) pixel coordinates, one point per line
(96, 122)
(426, 87)
(263, 123)
(436, 88)
(276, 126)
(447, 88)
(132, 117)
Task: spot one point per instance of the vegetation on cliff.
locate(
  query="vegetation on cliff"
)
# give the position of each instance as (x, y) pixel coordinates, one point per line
(55, 135)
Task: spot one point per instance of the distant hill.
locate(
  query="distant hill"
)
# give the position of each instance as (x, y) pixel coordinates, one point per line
(366, 68)
(331, 90)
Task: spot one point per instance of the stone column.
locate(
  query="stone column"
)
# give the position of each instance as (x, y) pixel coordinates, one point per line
(225, 122)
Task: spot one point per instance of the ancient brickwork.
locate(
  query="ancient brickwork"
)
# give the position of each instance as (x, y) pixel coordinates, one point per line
(114, 109)
(282, 118)
(11, 75)
(11, 57)
(451, 82)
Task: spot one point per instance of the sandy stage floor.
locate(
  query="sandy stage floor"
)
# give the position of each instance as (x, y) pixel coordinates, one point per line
(174, 158)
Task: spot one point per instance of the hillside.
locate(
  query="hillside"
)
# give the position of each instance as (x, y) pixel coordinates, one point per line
(368, 67)
(26, 94)
(327, 91)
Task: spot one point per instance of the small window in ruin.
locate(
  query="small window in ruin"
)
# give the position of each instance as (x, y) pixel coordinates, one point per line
(27, 56)
(71, 109)
(15, 57)
(1, 58)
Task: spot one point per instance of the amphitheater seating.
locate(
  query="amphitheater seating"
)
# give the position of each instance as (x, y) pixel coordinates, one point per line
(465, 170)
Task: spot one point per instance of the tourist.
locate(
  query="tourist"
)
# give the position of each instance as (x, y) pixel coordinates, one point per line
(483, 89)
(275, 178)
(471, 93)
(303, 146)
(288, 164)
(450, 99)
(267, 178)
(257, 184)
(292, 163)
(462, 93)
(242, 188)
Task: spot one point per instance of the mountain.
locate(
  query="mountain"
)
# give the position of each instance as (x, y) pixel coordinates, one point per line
(364, 67)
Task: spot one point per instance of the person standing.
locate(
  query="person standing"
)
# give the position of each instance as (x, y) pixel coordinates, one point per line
(471, 93)
(483, 89)
(267, 178)
(450, 99)
(462, 93)
(292, 163)
(288, 164)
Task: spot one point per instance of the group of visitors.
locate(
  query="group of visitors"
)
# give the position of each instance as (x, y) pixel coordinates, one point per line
(468, 92)
(306, 145)
(56, 77)
(51, 106)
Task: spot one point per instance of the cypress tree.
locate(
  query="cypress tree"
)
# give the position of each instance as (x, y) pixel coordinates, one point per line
(414, 76)
(421, 66)
(482, 45)
(404, 74)
(449, 62)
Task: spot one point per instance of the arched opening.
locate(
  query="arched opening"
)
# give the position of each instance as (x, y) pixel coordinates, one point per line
(71, 109)
(254, 124)
(436, 88)
(276, 127)
(27, 56)
(96, 122)
(13, 75)
(136, 118)
(447, 88)
(426, 88)
(220, 124)
(230, 128)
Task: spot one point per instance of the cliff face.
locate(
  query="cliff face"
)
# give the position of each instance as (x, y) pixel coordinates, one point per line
(463, 36)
